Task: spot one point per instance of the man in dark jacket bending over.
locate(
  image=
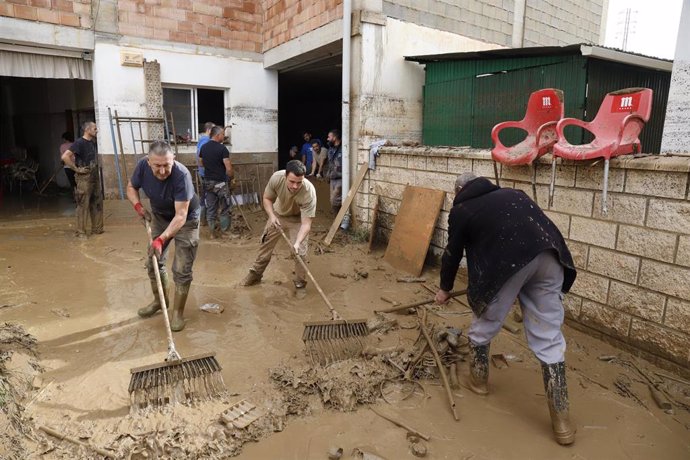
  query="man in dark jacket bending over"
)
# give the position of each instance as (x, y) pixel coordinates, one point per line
(513, 250)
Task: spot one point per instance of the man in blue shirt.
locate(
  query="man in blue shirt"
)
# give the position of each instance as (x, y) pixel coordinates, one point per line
(203, 139)
(174, 215)
(215, 159)
(307, 155)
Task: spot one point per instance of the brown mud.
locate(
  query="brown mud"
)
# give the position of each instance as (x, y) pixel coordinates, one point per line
(79, 300)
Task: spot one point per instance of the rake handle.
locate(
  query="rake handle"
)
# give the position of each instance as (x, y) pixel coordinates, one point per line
(420, 303)
(172, 352)
(334, 314)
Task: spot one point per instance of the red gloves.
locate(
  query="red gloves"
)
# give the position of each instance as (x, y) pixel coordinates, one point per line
(157, 247)
(143, 212)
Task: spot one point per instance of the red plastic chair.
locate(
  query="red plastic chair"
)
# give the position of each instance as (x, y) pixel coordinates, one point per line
(544, 108)
(616, 128)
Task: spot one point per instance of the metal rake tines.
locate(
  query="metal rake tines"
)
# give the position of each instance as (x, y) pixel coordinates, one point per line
(330, 341)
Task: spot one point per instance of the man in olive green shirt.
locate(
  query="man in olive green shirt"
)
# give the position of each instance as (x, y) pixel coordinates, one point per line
(290, 202)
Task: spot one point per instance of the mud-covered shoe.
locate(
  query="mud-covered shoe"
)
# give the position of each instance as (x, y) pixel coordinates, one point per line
(557, 398)
(300, 284)
(479, 369)
(251, 279)
(154, 306)
(177, 321)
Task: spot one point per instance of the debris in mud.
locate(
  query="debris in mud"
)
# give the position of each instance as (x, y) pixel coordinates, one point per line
(342, 386)
(335, 453)
(18, 368)
(61, 312)
(212, 308)
(382, 323)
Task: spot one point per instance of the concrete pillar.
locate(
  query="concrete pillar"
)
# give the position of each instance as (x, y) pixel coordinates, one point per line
(676, 136)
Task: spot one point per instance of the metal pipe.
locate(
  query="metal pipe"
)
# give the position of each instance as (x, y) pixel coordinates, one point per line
(518, 23)
(347, 59)
(117, 160)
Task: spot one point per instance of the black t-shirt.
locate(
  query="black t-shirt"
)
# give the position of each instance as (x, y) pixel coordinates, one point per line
(164, 193)
(84, 152)
(212, 154)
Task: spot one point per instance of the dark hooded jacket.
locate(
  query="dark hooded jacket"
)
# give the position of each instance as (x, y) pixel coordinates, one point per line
(502, 230)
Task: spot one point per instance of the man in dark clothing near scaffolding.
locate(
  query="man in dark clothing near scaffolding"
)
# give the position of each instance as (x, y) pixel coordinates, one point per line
(215, 159)
(513, 250)
(203, 139)
(174, 215)
(335, 169)
(82, 158)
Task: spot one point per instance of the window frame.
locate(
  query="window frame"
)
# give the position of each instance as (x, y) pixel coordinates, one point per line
(194, 106)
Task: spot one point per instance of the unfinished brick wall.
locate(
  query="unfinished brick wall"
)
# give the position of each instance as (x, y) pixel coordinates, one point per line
(231, 24)
(284, 20)
(633, 285)
(61, 12)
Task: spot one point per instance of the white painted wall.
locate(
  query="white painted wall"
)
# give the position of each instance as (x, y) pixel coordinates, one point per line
(388, 90)
(253, 92)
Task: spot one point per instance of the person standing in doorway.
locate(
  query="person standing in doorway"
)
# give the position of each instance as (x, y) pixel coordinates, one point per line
(513, 250)
(335, 169)
(307, 155)
(290, 202)
(203, 139)
(320, 155)
(67, 141)
(215, 159)
(82, 158)
(174, 216)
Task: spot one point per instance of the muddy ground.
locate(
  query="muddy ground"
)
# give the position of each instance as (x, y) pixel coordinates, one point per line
(79, 300)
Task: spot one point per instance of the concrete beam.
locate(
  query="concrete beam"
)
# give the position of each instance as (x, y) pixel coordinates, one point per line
(315, 45)
(21, 32)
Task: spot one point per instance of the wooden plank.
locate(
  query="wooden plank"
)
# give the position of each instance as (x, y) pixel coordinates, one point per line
(346, 204)
(413, 229)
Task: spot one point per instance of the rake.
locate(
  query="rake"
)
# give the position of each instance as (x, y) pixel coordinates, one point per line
(334, 340)
(177, 379)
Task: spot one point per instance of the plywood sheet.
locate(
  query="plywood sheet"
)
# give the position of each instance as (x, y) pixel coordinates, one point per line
(413, 229)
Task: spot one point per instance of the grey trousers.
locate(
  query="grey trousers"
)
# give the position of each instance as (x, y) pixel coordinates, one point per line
(186, 244)
(538, 286)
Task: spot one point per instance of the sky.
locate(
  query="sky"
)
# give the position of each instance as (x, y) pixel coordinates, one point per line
(653, 26)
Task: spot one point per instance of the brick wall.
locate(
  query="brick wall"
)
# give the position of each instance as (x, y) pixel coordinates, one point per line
(547, 22)
(284, 20)
(633, 285)
(232, 24)
(61, 12)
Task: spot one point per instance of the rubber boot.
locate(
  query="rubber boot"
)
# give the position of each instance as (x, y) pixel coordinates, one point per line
(212, 230)
(181, 293)
(479, 369)
(557, 399)
(154, 306)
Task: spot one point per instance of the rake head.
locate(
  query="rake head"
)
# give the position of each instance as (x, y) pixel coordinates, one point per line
(176, 381)
(330, 341)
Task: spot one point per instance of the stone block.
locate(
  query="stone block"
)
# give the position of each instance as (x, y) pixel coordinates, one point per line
(646, 242)
(669, 215)
(661, 183)
(565, 175)
(387, 189)
(436, 181)
(636, 301)
(384, 160)
(483, 168)
(605, 319)
(613, 264)
(573, 201)
(458, 166)
(629, 209)
(437, 164)
(399, 161)
(572, 305)
(661, 341)
(417, 162)
(592, 231)
(678, 315)
(683, 255)
(389, 206)
(590, 286)
(562, 221)
(579, 251)
(591, 176)
(29, 13)
(518, 172)
(442, 221)
(669, 279)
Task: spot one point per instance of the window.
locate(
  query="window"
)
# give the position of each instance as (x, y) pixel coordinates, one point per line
(191, 108)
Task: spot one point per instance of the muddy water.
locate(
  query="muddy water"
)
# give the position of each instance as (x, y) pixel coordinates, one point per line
(79, 298)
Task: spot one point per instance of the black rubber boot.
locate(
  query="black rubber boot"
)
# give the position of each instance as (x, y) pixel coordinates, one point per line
(181, 293)
(557, 398)
(154, 306)
(479, 368)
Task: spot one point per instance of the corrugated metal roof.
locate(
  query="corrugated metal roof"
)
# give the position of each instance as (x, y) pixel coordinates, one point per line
(601, 52)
